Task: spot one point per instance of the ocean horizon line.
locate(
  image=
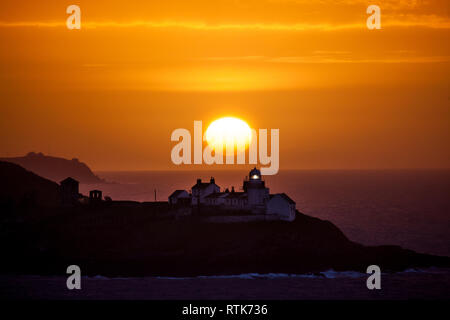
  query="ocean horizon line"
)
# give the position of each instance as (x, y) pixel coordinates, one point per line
(281, 170)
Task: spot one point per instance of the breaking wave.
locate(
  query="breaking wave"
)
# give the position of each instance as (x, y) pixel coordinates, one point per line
(329, 274)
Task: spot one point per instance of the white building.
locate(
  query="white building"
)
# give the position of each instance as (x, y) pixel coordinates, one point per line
(255, 198)
(203, 189)
(282, 206)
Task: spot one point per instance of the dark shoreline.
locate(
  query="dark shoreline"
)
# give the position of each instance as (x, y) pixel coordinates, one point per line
(397, 286)
(121, 242)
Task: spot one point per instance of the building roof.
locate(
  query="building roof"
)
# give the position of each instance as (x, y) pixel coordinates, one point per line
(284, 196)
(226, 195)
(216, 195)
(235, 195)
(177, 193)
(201, 185)
(69, 180)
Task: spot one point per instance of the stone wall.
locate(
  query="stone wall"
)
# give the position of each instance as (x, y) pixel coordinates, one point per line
(244, 218)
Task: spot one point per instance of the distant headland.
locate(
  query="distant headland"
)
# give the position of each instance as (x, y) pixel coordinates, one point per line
(54, 168)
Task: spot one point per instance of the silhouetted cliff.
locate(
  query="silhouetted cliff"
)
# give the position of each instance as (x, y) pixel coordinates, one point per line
(19, 187)
(114, 241)
(55, 169)
(142, 239)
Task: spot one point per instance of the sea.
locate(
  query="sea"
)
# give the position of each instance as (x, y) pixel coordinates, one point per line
(409, 208)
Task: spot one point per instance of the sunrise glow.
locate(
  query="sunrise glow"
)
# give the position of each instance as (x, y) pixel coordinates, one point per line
(228, 131)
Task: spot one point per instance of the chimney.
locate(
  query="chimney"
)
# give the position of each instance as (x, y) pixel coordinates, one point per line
(232, 189)
(199, 181)
(212, 180)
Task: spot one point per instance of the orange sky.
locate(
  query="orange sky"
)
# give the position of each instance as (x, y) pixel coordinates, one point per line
(342, 96)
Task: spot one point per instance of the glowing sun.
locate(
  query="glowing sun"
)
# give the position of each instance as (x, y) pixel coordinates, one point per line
(228, 131)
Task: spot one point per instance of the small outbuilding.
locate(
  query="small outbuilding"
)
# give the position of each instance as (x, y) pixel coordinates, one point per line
(95, 196)
(178, 197)
(69, 190)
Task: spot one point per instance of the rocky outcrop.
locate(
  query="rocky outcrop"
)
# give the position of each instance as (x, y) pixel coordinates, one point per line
(55, 169)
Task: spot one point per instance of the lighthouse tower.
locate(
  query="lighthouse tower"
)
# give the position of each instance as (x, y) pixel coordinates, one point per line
(257, 193)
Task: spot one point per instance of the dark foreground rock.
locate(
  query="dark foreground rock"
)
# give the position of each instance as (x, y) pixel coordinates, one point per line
(137, 242)
(20, 188)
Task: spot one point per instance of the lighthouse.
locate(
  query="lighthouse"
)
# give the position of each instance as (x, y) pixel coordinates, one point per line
(257, 193)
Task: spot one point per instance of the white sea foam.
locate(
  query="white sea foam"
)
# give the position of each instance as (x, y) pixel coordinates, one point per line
(329, 274)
